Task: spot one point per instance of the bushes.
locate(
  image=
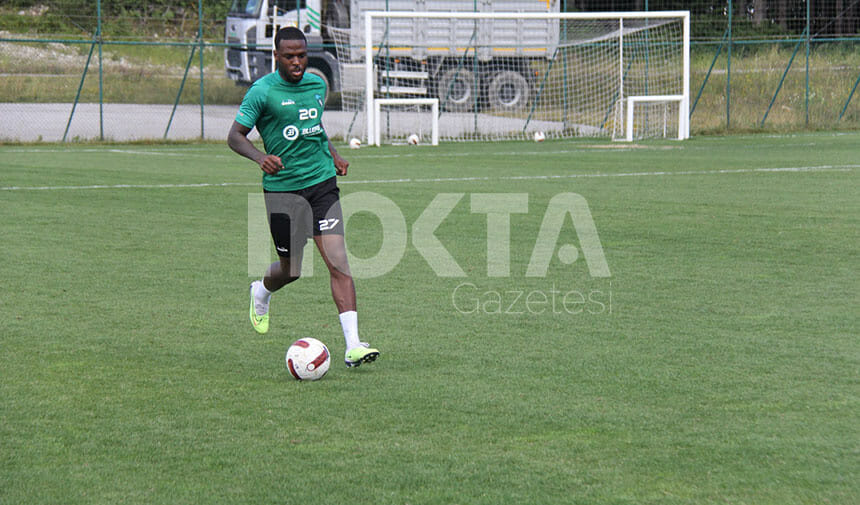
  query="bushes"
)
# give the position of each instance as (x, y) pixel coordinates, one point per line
(120, 18)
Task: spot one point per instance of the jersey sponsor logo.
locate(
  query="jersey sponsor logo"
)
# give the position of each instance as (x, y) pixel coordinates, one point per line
(328, 224)
(288, 102)
(291, 132)
(313, 130)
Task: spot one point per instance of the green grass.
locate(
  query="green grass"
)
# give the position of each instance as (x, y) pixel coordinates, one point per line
(725, 369)
(49, 73)
(756, 72)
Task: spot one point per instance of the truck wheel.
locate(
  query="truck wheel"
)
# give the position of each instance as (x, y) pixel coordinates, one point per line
(321, 74)
(509, 91)
(456, 90)
(337, 13)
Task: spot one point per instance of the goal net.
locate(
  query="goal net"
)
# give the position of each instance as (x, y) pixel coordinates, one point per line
(505, 76)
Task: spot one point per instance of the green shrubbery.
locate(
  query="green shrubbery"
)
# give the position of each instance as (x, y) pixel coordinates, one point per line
(120, 18)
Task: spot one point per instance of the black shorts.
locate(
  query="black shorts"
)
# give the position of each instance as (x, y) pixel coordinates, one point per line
(295, 216)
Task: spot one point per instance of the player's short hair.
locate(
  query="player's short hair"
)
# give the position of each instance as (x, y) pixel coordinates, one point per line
(289, 33)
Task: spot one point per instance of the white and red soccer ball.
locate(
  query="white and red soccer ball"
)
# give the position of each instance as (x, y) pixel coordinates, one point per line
(308, 359)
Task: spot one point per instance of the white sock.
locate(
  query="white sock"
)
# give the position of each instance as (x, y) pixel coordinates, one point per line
(261, 298)
(349, 323)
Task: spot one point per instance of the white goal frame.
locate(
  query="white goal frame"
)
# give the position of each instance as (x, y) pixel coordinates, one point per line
(684, 16)
(434, 109)
(683, 115)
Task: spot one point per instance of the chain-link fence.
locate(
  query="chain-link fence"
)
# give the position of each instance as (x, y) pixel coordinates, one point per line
(156, 69)
(114, 70)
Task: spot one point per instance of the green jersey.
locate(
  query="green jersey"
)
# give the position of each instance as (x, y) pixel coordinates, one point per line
(289, 119)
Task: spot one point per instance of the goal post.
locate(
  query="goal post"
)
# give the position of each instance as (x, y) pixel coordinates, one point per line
(507, 75)
(663, 116)
(409, 119)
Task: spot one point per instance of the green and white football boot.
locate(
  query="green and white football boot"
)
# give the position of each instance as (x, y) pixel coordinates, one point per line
(260, 323)
(361, 354)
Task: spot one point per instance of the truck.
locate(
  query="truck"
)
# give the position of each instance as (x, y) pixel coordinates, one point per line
(421, 59)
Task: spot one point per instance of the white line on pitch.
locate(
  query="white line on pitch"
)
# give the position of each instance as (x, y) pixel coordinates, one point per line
(129, 186)
(181, 153)
(821, 168)
(824, 168)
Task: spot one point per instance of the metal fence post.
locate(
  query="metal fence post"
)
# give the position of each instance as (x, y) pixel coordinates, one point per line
(81, 87)
(710, 69)
(101, 72)
(179, 95)
(729, 71)
(202, 46)
(850, 96)
(808, 39)
(782, 80)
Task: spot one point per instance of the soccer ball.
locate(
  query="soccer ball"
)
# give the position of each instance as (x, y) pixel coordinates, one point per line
(412, 139)
(354, 143)
(308, 359)
(539, 137)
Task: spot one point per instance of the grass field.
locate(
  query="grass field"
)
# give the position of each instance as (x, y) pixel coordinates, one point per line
(718, 363)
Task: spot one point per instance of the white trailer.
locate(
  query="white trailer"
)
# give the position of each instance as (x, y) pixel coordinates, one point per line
(489, 66)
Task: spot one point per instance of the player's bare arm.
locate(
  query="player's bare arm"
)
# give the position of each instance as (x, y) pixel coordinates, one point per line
(340, 164)
(238, 141)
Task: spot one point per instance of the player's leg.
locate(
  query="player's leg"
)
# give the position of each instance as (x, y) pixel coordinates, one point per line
(282, 272)
(328, 236)
(333, 251)
(278, 275)
(290, 224)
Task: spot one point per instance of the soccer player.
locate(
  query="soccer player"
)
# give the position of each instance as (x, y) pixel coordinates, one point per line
(299, 167)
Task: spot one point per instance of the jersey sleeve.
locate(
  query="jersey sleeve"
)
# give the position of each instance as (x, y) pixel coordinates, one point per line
(252, 106)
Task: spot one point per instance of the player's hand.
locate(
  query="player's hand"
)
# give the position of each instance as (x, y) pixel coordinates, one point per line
(340, 165)
(270, 164)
